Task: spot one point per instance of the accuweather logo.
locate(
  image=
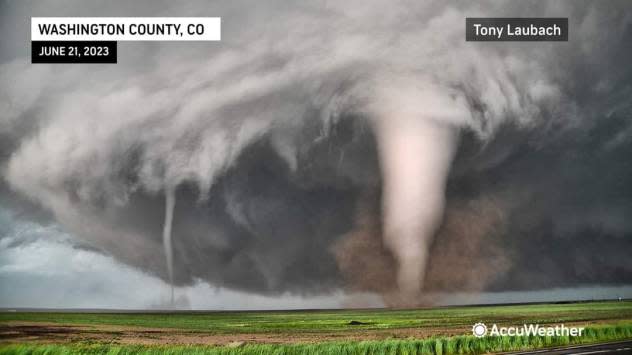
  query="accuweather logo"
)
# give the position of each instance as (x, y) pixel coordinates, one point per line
(480, 330)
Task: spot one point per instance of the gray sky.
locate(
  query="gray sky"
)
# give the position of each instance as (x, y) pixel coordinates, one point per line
(40, 266)
(276, 145)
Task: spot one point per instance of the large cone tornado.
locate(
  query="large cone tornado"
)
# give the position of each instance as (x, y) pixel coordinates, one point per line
(415, 155)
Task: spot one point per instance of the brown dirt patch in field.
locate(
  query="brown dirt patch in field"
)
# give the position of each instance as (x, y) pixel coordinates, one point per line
(21, 332)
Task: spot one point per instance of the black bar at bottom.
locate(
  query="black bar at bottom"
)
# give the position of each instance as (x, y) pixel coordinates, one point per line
(73, 52)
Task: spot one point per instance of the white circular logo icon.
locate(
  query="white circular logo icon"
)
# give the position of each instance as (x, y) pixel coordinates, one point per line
(479, 330)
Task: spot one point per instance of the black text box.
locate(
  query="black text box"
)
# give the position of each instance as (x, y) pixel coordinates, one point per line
(73, 52)
(516, 29)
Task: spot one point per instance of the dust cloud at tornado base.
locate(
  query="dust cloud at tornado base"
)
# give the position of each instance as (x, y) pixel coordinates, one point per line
(283, 149)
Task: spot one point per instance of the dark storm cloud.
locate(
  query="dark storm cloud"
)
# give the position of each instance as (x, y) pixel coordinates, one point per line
(566, 206)
(268, 140)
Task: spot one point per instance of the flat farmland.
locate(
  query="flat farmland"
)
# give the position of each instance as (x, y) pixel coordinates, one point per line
(354, 331)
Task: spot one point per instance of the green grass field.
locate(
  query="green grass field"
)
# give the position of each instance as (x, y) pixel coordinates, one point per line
(435, 331)
(315, 321)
